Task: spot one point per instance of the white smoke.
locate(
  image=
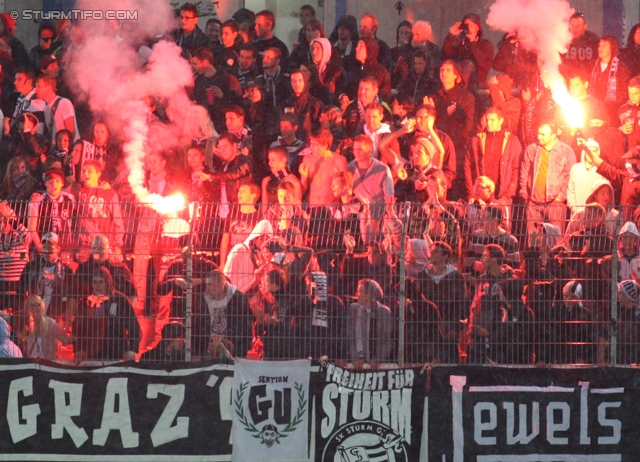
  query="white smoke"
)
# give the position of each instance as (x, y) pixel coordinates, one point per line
(105, 70)
(542, 27)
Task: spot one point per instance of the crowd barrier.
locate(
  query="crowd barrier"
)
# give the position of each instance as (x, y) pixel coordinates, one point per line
(298, 284)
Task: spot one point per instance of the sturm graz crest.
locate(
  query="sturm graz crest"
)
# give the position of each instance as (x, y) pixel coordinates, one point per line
(270, 434)
(365, 441)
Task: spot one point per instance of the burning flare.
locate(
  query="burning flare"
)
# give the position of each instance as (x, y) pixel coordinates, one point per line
(542, 27)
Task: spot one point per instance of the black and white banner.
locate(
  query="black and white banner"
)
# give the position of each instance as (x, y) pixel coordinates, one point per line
(271, 411)
(482, 414)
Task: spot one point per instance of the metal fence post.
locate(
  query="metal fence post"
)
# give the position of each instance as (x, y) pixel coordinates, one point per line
(613, 322)
(193, 213)
(401, 289)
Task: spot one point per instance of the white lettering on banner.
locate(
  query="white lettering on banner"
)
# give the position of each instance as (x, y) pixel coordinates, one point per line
(489, 423)
(383, 397)
(165, 431)
(20, 431)
(64, 392)
(119, 419)
(561, 426)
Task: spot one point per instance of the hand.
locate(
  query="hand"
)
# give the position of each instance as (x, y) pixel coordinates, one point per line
(493, 81)
(428, 100)
(402, 173)
(627, 128)
(410, 126)
(455, 29)
(526, 94)
(420, 185)
(304, 170)
(181, 282)
(344, 102)
(349, 242)
(430, 122)
(244, 151)
(452, 108)
(216, 91)
(202, 177)
(7, 125)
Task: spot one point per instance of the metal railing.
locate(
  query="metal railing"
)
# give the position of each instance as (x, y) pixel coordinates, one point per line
(417, 285)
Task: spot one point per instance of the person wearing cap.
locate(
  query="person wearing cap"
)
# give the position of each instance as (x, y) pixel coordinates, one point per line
(189, 36)
(14, 254)
(49, 277)
(629, 252)
(492, 232)
(628, 335)
(494, 153)
(465, 43)
(52, 211)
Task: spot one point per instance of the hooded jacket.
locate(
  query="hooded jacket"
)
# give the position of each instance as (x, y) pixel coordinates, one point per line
(611, 217)
(629, 265)
(372, 68)
(329, 73)
(480, 52)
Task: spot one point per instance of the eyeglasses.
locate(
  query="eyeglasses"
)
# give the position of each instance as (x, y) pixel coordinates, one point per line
(187, 17)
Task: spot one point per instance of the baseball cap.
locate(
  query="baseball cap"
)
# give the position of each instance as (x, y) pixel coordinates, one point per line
(51, 237)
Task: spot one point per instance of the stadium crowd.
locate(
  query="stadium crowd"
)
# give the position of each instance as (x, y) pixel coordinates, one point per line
(338, 186)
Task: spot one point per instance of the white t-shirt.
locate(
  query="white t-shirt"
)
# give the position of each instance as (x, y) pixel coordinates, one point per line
(64, 110)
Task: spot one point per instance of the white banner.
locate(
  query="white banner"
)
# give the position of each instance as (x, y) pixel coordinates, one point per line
(270, 411)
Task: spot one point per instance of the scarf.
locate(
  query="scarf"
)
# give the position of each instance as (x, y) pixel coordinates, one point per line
(218, 310)
(612, 82)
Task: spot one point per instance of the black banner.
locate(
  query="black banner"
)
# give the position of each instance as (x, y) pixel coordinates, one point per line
(126, 412)
(485, 414)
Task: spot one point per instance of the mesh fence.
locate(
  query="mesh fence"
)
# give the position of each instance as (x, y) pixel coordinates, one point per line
(407, 284)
